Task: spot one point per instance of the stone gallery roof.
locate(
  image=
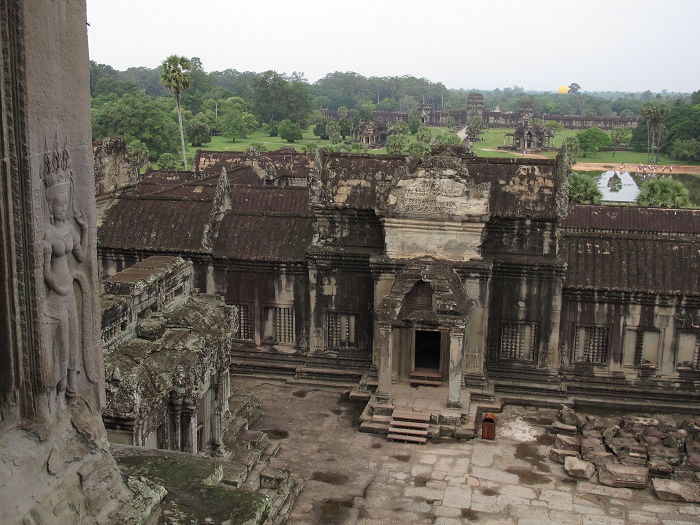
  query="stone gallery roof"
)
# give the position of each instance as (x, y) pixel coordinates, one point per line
(169, 225)
(141, 374)
(632, 248)
(181, 212)
(632, 218)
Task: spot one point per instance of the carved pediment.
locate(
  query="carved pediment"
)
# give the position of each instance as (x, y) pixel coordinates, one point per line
(437, 188)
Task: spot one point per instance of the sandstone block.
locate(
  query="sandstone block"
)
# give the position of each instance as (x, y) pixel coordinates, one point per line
(670, 455)
(590, 445)
(632, 477)
(562, 428)
(564, 442)
(658, 468)
(610, 432)
(618, 444)
(601, 458)
(692, 462)
(639, 422)
(559, 456)
(273, 478)
(568, 416)
(577, 468)
(670, 490)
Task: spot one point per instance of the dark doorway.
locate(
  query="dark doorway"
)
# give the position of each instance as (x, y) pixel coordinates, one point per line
(427, 350)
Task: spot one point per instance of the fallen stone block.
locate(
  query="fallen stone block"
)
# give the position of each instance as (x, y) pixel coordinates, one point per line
(273, 478)
(562, 428)
(671, 490)
(668, 454)
(565, 442)
(601, 458)
(692, 462)
(568, 415)
(683, 474)
(559, 456)
(692, 446)
(626, 476)
(618, 444)
(639, 422)
(590, 446)
(577, 468)
(676, 439)
(653, 441)
(658, 468)
(610, 432)
(633, 456)
(692, 427)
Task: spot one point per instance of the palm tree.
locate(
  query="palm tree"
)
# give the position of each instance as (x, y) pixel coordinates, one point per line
(663, 192)
(584, 189)
(175, 77)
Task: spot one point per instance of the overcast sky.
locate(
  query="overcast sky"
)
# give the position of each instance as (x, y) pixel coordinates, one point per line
(603, 45)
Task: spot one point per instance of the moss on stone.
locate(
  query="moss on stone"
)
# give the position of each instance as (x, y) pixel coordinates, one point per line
(193, 493)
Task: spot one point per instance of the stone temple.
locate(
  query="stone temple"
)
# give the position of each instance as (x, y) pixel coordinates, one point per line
(374, 273)
(477, 274)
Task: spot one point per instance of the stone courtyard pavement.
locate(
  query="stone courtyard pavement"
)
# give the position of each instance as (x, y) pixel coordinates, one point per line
(356, 478)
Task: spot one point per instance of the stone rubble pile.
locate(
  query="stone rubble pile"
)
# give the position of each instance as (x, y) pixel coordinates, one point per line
(627, 451)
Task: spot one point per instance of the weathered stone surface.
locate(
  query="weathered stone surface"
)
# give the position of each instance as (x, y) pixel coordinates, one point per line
(692, 427)
(659, 468)
(623, 476)
(591, 445)
(610, 432)
(562, 428)
(692, 445)
(559, 456)
(676, 439)
(567, 415)
(633, 456)
(578, 468)
(692, 462)
(670, 490)
(565, 442)
(681, 473)
(621, 443)
(272, 478)
(670, 455)
(639, 422)
(600, 458)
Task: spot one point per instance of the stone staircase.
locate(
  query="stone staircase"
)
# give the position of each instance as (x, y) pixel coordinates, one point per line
(410, 426)
(245, 482)
(425, 377)
(341, 369)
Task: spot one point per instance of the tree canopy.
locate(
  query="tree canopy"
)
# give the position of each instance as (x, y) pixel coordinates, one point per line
(663, 192)
(583, 189)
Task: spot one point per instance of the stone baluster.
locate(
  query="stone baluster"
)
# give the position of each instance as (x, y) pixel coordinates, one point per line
(456, 375)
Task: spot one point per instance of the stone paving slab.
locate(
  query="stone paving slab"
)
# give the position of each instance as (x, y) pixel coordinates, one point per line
(363, 479)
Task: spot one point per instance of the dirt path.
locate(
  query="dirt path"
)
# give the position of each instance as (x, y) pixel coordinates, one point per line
(605, 166)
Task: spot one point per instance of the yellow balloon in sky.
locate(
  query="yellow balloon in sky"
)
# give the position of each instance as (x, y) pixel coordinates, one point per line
(564, 90)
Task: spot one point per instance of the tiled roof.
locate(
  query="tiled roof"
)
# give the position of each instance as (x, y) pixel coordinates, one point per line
(632, 219)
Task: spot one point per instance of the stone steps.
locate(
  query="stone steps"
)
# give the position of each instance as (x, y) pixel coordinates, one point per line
(409, 426)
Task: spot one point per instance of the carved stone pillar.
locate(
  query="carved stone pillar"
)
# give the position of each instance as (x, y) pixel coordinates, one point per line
(454, 398)
(189, 426)
(385, 362)
(175, 427)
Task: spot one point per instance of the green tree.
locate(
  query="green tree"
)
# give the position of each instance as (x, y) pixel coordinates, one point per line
(413, 123)
(137, 117)
(424, 135)
(654, 115)
(663, 192)
(447, 139)
(554, 126)
(167, 162)
(215, 96)
(400, 128)
(686, 149)
(198, 131)
(237, 124)
(320, 129)
(418, 148)
(620, 136)
(592, 140)
(175, 77)
(397, 144)
(289, 131)
(333, 131)
(450, 122)
(476, 125)
(583, 189)
(387, 104)
(574, 88)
